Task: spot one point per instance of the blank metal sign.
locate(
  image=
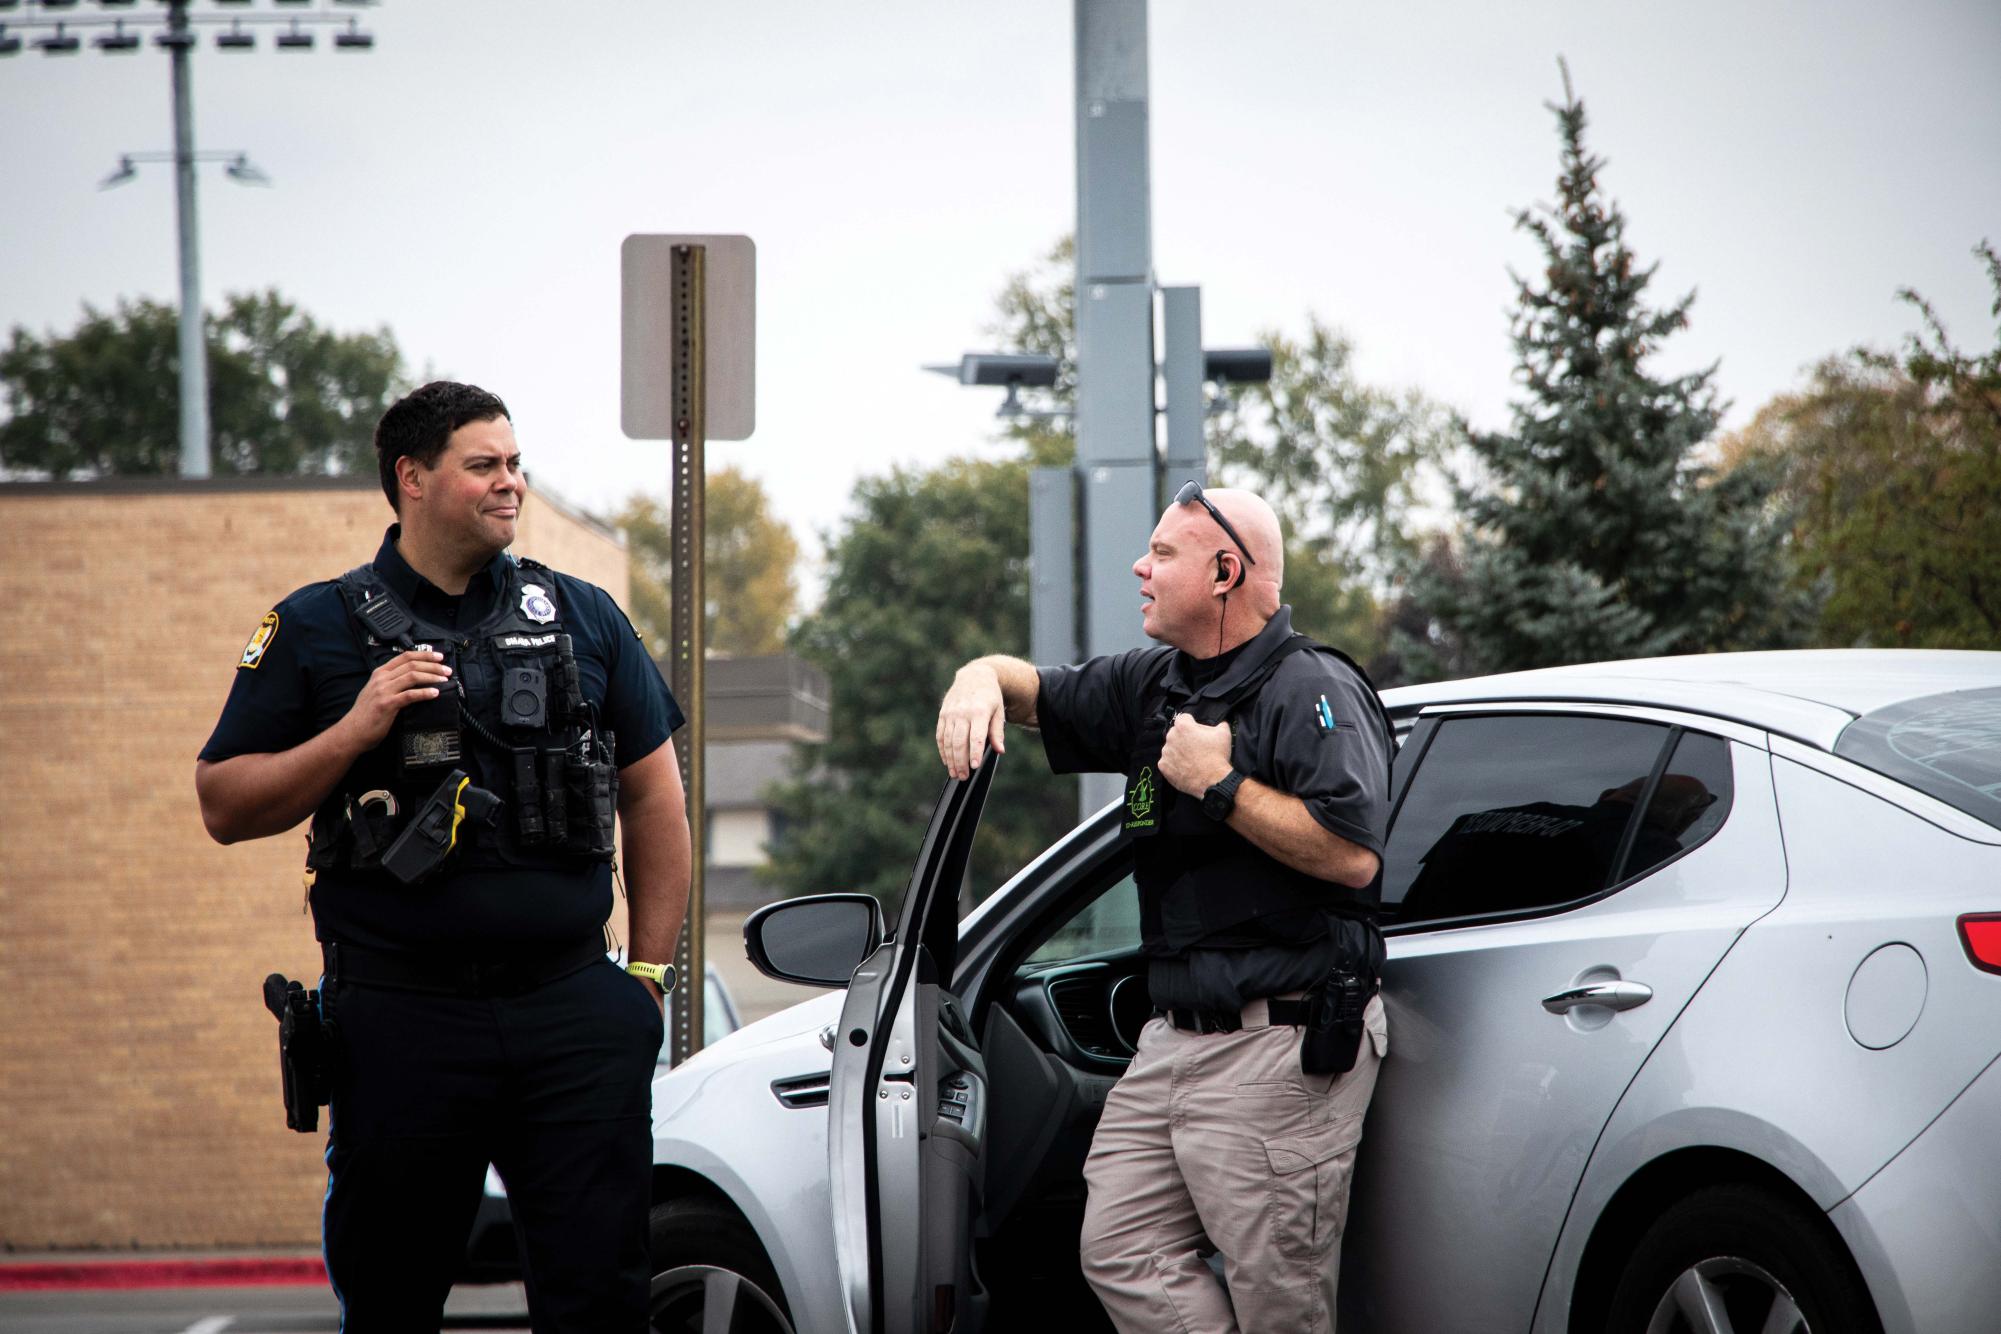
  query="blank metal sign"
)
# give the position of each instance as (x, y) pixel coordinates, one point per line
(646, 382)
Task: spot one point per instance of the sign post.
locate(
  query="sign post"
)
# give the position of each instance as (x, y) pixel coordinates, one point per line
(688, 354)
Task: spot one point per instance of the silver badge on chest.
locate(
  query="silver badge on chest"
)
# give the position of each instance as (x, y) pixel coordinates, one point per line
(535, 604)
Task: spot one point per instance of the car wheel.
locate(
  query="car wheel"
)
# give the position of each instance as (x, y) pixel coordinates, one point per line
(710, 1276)
(1738, 1260)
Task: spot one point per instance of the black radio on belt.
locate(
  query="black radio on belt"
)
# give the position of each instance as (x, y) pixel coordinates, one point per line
(1332, 1038)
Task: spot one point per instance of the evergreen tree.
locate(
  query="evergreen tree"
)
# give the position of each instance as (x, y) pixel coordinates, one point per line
(1601, 531)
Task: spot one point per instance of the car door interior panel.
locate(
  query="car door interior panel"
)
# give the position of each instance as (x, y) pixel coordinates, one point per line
(1090, 1013)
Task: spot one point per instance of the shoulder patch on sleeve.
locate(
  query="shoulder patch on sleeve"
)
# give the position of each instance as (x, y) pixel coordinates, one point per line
(260, 642)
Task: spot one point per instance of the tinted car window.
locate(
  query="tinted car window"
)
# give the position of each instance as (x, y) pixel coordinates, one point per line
(1946, 746)
(1511, 814)
(1108, 924)
(1688, 805)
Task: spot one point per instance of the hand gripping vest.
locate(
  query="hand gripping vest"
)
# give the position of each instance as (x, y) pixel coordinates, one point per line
(512, 718)
(1200, 882)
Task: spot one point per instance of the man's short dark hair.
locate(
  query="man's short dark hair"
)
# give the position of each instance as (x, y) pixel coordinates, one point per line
(421, 423)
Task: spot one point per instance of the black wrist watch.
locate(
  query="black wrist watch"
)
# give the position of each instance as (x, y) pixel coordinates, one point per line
(1221, 798)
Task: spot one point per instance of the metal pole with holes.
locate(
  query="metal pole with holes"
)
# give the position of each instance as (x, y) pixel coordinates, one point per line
(690, 601)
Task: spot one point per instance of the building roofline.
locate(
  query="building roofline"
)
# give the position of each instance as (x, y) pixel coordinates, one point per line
(160, 486)
(151, 486)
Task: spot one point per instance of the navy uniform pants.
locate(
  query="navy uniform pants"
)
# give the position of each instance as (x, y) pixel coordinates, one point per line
(553, 1087)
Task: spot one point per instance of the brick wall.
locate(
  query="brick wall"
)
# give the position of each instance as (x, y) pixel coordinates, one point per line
(138, 1069)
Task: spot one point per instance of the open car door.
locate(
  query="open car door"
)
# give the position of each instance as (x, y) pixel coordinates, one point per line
(907, 1105)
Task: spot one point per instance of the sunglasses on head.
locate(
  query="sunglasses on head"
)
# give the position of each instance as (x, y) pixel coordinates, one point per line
(1191, 494)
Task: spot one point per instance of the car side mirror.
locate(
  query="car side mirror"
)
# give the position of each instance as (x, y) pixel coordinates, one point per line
(818, 941)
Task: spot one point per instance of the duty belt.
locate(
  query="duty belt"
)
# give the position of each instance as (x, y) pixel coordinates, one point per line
(401, 971)
(1278, 1014)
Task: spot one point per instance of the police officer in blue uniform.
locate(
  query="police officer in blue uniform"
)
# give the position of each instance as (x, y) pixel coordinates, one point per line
(459, 725)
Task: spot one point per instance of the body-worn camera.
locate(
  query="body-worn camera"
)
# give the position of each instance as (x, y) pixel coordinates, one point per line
(524, 697)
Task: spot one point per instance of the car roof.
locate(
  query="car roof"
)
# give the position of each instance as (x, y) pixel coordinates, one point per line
(1809, 694)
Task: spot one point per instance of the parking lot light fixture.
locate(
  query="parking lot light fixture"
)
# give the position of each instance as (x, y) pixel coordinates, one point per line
(117, 39)
(244, 172)
(174, 25)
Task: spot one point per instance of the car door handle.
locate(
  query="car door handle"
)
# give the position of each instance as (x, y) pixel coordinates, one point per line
(1611, 995)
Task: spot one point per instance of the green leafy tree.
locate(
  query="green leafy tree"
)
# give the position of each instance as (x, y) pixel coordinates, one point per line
(286, 396)
(750, 579)
(1890, 470)
(1600, 531)
(930, 571)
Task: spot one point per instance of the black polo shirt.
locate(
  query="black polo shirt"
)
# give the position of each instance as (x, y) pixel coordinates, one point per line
(1090, 720)
(301, 673)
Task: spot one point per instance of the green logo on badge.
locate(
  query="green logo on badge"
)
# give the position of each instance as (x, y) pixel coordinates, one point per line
(1140, 800)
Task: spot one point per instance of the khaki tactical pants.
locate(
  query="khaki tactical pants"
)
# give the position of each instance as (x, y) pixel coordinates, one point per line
(1217, 1141)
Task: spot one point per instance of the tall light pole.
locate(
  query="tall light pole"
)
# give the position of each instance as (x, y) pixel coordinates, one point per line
(175, 33)
(194, 347)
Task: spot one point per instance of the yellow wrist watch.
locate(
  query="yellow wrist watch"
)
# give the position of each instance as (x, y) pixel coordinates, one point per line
(660, 974)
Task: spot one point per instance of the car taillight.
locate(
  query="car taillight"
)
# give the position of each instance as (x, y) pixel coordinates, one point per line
(1981, 933)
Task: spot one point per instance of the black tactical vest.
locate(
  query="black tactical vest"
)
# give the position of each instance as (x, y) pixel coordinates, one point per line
(512, 718)
(1202, 884)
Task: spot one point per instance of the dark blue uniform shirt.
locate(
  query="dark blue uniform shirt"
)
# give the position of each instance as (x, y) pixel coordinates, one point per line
(308, 670)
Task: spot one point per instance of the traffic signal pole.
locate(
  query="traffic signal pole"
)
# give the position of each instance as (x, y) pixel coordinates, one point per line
(1116, 488)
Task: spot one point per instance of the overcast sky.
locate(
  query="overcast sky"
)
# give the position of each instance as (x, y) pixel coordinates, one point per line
(468, 183)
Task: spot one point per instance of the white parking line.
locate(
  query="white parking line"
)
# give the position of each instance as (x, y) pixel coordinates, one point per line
(213, 1324)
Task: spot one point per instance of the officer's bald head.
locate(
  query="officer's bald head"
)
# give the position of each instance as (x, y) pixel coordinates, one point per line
(1205, 584)
(1258, 526)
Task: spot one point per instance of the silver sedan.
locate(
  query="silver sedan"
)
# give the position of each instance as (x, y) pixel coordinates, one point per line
(1695, 995)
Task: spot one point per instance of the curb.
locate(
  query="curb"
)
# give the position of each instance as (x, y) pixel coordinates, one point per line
(215, 1273)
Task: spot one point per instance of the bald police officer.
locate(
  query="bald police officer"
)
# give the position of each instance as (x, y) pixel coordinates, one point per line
(1257, 774)
(460, 726)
